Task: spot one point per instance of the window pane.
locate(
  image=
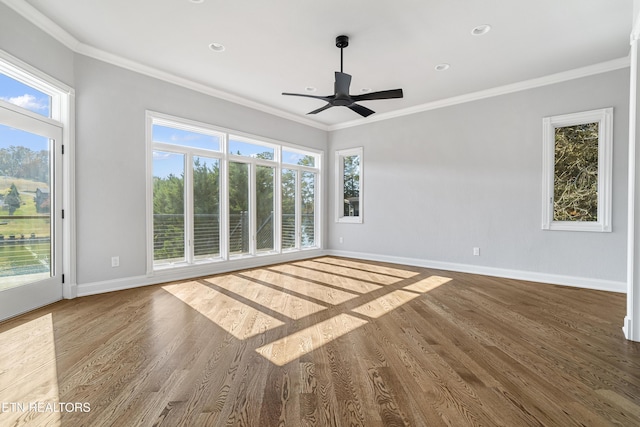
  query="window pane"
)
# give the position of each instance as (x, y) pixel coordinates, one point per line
(24, 96)
(576, 173)
(25, 206)
(308, 231)
(264, 207)
(238, 208)
(241, 148)
(351, 183)
(185, 138)
(288, 209)
(206, 208)
(294, 158)
(168, 207)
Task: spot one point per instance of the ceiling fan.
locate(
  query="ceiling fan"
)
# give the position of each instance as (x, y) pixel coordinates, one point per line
(341, 97)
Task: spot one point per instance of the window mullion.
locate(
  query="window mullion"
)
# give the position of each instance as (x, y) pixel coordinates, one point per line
(277, 212)
(188, 214)
(224, 201)
(298, 204)
(252, 209)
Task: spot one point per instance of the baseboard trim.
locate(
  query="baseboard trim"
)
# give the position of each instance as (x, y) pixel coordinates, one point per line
(555, 279)
(100, 287)
(164, 276)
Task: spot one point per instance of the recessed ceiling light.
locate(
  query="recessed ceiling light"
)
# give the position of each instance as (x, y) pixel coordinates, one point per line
(196, 1)
(442, 67)
(217, 47)
(481, 30)
(310, 89)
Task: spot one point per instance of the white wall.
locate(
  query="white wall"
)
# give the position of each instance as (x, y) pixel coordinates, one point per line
(110, 145)
(27, 42)
(110, 190)
(441, 182)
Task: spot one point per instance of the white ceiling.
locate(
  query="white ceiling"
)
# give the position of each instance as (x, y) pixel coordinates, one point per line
(286, 45)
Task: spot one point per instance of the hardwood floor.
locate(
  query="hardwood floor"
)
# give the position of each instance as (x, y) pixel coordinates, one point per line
(324, 342)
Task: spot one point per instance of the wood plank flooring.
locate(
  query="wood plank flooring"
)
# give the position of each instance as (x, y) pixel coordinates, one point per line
(324, 342)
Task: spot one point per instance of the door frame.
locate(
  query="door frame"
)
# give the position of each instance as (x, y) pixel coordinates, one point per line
(63, 112)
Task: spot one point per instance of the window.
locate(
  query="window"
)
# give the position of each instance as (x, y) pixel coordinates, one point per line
(577, 169)
(215, 196)
(349, 191)
(186, 193)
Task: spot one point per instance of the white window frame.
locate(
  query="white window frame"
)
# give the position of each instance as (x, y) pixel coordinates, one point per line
(63, 115)
(604, 118)
(225, 157)
(339, 189)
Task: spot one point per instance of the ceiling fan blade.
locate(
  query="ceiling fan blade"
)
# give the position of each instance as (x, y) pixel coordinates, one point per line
(343, 81)
(324, 98)
(383, 94)
(320, 109)
(363, 111)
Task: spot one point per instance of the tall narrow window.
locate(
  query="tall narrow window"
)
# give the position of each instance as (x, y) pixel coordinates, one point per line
(239, 227)
(349, 191)
(36, 250)
(185, 193)
(168, 207)
(289, 185)
(308, 226)
(206, 208)
(577, 171)
(265, 186)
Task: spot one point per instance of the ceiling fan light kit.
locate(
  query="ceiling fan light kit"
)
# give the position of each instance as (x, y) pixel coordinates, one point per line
(341, 96)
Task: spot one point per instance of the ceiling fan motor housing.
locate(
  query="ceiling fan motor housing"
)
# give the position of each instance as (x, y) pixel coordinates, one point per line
(342, 41)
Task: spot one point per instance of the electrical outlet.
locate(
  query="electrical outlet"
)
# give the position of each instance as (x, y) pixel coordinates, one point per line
(341, 240)
(476, 251)
(115, 261)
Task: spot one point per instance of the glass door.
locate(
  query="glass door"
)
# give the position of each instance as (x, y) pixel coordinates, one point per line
(30, 211)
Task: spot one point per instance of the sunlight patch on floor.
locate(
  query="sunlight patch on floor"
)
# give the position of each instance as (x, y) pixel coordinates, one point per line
(326, 278)
(385, 304)
(238, 319)
(380, 279)
(390, 271)
(306, 340)
(28, 373)
(304, 287)
(309, 339)
(428, 284)
(289, 305)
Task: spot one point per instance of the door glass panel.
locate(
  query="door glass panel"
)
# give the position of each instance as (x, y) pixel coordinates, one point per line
(168, 208)
(25, 207)
(288, 209)
(206, 208)
(238, 208)
(264, 208)
(308, 228)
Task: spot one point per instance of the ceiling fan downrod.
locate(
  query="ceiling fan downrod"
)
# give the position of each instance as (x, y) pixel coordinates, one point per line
(342, 42)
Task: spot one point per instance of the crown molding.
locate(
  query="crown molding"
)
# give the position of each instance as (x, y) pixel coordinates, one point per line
(43, 22)
(635, 29)
(156, 73)
(54, 30)
(577, 73)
